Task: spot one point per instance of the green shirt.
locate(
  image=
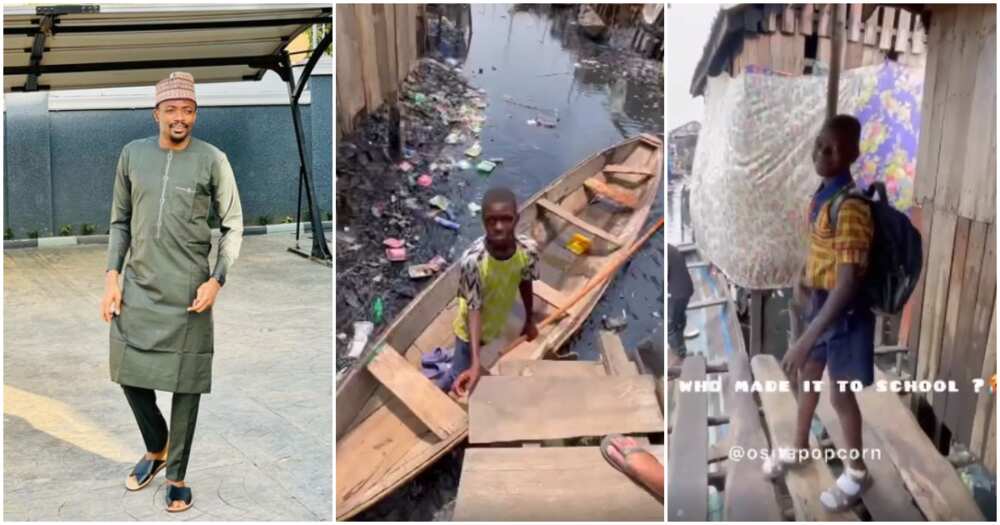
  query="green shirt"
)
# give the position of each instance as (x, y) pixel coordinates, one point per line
(490, 285)
(160, 214)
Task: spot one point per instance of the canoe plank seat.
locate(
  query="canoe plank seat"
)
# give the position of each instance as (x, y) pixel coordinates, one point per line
(432, 406)
(548, 294)
(619, 196)
(629, 176)
(616, 361)
(567, 216)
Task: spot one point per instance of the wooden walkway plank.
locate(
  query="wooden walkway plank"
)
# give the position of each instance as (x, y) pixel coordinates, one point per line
(744, 500)
(550, 368)
(806, 482)
(887, 499)
(687, 487)
(930, 478)
(616, 361)
(434, 408)
(504, 408)
(567, 216)
(550, 484)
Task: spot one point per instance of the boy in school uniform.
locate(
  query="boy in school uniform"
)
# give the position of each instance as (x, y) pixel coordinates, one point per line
(840, 331)
(497, 267)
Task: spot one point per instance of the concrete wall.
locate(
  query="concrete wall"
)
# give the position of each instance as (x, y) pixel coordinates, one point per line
(59, 165)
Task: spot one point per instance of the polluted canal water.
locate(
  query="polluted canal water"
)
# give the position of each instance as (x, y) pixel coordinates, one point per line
(528, 63)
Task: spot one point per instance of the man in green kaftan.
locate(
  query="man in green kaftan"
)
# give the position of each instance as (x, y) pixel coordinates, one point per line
(161, 317)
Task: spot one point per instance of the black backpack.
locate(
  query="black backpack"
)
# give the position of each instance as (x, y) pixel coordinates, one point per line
(896, 255)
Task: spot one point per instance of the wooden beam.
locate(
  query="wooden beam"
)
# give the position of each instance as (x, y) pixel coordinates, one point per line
(688, 473)
(888, 25)
(756, 321)
(708, 302)
(616, 361)
(568, 216)
(434, 408)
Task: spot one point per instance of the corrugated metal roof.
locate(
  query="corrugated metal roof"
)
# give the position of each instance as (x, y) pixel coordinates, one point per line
(137, 45)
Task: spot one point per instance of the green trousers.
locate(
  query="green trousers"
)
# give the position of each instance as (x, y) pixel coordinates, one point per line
(183, 416)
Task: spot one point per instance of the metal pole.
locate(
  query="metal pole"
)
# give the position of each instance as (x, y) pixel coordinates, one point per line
(320, 249)
(837, 47)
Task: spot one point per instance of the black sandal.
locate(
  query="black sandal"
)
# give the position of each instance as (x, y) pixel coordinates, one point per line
(175, 493)
(143, 473)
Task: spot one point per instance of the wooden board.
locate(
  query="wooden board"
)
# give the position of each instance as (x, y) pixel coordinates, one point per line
(788, 20)
(984, 422)
(977, 198)
(434, 408)
(888, 27)
(687, 490)
(940, 355)
(871, 29)
(932, 105)
(806, 20)
(887, 499)
(618, 195)
(854, 23)
(975, 315)
(930, 478)
(350, 91)
(569, 217)
(548, 294)
(370, 76)
(504, 409)
(550, 368)
(903, 31)
(550, 484)
(616, 361)
(806, 482)
(621, 168)
(938, 270)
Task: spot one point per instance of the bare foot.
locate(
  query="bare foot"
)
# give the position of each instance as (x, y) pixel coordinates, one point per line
(639, 465)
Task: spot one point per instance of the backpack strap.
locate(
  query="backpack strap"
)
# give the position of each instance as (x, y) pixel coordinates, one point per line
(847, 192)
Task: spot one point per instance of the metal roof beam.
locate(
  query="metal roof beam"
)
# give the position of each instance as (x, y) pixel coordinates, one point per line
(179, 26)
(266, 62)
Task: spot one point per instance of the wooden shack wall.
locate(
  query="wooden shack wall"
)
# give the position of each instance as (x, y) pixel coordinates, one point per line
(778, 40)
(376, 47)
(952, 328)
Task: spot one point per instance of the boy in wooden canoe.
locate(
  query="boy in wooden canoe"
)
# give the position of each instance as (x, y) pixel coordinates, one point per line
(841, 326)
(493, 270)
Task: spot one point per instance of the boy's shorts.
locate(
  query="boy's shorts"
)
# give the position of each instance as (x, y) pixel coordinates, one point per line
(847, 347)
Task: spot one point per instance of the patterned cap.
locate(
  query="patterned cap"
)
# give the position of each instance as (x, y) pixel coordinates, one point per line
(178, 85)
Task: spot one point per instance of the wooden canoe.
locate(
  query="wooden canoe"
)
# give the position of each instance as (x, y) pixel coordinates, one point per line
(381, 441)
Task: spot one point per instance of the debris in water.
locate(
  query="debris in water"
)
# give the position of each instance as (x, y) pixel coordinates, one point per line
(405, 167)
(532, 122)
(474, 208)
(440, 202)
(420, 271)
(425, 180)
(486, 166)
(454, 138)
(474, 151)
(464, 164)
(451, 225)
(615, 323)
(362, 331)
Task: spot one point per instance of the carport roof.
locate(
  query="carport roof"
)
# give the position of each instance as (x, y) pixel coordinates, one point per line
(91, 46)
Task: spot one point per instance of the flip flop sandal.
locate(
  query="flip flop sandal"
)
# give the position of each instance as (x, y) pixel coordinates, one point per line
(774, 467)
(175, 493)
(143, 473)
(606, 444)
(845, 493)
(438, 355)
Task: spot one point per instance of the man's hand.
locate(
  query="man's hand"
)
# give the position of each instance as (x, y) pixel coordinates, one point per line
(466, 382)
(795, 358)
(530, 331)
(111, 303)
(206, 296)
